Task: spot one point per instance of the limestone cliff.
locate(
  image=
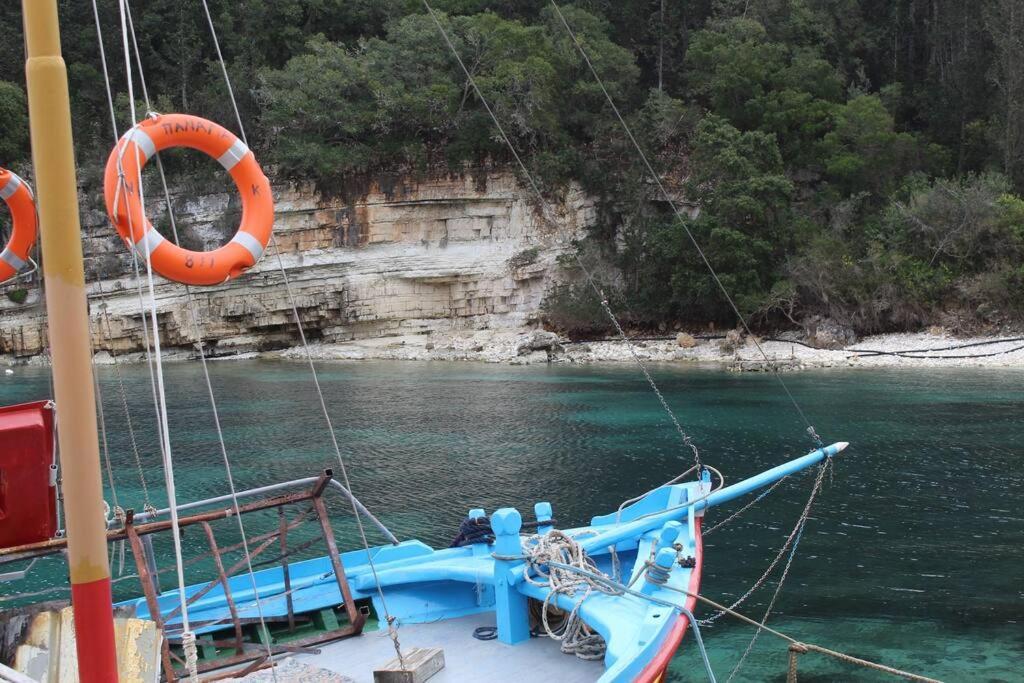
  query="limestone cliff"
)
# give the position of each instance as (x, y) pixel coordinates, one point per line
(401, 257)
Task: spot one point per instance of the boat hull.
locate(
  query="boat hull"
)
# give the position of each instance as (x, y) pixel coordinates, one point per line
(655, 670)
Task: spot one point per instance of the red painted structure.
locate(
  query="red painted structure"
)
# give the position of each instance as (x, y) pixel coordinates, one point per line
(655, 669)
(28, 501)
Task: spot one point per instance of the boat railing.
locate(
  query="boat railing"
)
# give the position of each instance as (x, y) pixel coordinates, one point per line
(251, 642)
(273, 488)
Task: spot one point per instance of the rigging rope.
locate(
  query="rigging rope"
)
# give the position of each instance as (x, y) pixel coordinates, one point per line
(792, 540)
(135, 262)
(686, 439)
(118, 511)
(188, 639)
(105, 318)
(138, 286)
(671, 202)
(159, 389)
(389, 618)
(103, 435)
(801, 525)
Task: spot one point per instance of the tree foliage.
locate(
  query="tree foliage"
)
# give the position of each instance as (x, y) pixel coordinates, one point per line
(857, 159)
(13, 124)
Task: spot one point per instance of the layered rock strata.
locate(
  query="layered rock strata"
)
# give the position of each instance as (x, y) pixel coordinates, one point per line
(404, 257)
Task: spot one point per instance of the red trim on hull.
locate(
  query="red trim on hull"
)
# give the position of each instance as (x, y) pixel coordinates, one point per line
(94, 632)
(659, 663)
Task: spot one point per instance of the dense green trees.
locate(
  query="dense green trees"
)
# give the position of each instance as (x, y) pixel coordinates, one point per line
(857, 159)
(13, 122)
(401, 100)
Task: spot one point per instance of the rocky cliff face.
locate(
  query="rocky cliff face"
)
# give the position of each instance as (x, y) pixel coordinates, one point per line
(403, 257)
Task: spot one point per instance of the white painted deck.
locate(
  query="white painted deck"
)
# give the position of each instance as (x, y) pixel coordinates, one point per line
(466, 658)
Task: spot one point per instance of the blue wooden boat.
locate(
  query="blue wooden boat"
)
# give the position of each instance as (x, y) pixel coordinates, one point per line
(618, 592)
(490, 586)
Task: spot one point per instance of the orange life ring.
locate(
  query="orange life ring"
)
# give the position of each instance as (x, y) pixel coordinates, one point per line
(18, 196)
(124, 166)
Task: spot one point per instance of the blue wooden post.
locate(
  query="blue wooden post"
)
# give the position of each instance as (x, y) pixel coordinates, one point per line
(664, 560)
(479, 547)
(703, 489)
(511, 609)
(669, 535)
(543, 512)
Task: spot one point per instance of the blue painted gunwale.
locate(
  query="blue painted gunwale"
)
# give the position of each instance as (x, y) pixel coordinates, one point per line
(424, 585)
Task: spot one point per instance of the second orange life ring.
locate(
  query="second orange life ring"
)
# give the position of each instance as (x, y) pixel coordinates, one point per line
(120, 182)
(16, 194)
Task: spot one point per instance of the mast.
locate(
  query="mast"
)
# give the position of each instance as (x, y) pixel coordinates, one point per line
(68, 320)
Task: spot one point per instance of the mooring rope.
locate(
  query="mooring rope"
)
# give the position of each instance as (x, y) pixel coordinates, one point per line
(598, 577)
(842, 656)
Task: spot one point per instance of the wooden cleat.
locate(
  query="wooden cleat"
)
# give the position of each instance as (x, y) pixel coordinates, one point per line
(420, 663)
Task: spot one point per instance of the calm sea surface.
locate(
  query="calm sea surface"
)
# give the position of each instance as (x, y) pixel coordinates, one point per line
(914, 555)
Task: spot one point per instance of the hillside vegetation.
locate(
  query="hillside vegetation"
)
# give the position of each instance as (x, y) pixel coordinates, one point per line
(859, 161)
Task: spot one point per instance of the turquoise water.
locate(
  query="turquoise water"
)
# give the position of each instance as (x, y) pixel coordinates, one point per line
(914, 554)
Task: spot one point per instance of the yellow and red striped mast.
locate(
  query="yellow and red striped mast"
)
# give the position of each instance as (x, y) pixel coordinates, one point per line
(68, 320)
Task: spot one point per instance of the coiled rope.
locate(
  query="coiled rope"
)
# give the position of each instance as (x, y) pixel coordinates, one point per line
(613, 587)
(551, 560)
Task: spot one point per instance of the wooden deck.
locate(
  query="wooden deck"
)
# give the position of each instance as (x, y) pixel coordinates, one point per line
(466, 658)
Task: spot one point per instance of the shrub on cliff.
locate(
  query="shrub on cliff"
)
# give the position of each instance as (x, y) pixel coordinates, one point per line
(574, 310)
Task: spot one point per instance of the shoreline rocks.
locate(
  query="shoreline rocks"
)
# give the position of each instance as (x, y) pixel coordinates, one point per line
(534, 346)
(531, 347)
